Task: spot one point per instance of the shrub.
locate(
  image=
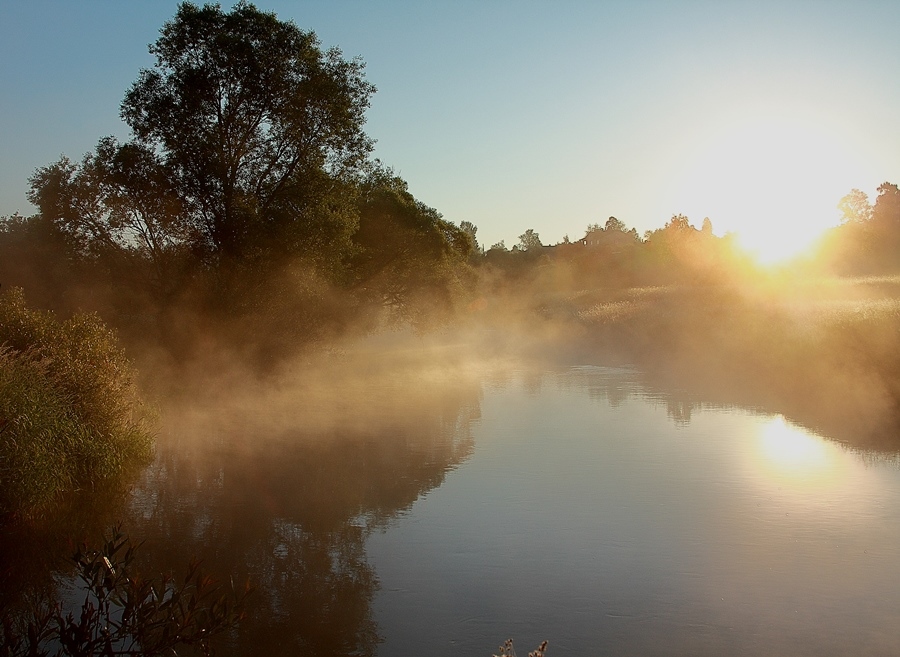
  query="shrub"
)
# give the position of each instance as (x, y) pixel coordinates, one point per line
(70, 413)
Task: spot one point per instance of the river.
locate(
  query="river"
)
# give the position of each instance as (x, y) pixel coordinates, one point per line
(444, 513)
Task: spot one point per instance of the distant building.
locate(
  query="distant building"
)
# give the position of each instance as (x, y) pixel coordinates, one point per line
(612, 240)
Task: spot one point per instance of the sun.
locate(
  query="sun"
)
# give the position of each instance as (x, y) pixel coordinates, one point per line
(773, 178)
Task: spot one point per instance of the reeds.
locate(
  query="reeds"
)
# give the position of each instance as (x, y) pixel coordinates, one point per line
(70, 415)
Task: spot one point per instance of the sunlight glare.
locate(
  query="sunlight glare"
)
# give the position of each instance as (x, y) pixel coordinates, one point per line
(773, 179)
(791, 451)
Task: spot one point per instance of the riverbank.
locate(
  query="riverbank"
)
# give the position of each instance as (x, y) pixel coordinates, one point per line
(824, 352)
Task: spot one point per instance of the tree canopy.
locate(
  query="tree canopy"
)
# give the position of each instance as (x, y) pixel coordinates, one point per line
(245, 136)
(530, 240)
(255, 124)
(247, 180)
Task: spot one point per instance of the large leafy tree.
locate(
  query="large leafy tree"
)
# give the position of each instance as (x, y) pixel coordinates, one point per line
(117, 207)
(530, 240)
(855, 207)
(247, 141)
(257, 126)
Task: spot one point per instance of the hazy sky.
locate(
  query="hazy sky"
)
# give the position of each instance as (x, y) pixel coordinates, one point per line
(543, 115)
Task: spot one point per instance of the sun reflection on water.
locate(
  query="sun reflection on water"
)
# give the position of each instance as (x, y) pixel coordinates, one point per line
(797, 471)
(788, 450)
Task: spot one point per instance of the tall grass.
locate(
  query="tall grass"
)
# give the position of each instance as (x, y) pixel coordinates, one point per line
(70, 414)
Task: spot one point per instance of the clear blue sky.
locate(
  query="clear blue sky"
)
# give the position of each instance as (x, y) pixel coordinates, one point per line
(543, 115)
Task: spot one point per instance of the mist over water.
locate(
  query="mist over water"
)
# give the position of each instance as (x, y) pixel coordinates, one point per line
(378, 509)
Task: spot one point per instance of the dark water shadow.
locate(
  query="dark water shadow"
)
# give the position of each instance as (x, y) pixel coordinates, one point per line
(280, 488)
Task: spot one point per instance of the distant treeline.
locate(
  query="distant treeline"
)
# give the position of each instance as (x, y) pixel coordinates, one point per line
(866, 243)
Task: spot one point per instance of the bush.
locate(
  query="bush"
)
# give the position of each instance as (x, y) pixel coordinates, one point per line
(70, 414)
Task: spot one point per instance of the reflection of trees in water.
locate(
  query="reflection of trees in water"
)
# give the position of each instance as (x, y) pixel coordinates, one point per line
(688, 392)
(679, 410)
(32, 550)
(291, 512)
(605, 384)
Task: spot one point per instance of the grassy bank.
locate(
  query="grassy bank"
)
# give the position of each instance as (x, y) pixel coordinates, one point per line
(70, 415)
(824, 351)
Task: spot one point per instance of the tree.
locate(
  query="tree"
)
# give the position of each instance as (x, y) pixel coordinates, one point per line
(887, 205)
(613, 224)
(678, 223)
(471, 230)
(407, 257)
(246, 192)
(855, 207)
(530, 240)
(118, 202)
(257, 127)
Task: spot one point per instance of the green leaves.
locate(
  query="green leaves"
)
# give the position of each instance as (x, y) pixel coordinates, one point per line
(69, 407)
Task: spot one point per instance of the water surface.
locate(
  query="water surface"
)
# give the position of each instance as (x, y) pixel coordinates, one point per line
(393, 513)
(612, 520)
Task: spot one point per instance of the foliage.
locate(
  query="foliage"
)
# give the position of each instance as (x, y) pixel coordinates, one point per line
(887, 205)
(242, 133)
(69, 408)
(254, 123)
(868, 239)
(125, 614)
(408, 257)
(614, 224)
(507, 650)
(530, 240)
(471, 230)
(855, 207)
(245, 198)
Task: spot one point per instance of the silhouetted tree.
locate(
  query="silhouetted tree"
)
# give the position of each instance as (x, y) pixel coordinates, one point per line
(246, 192)
(256, 125)
(247, 142)
(117, 209)
(529, 240)
(408, 258)
(678, 223)
(471, 230)
(615, 224)
(887, 205)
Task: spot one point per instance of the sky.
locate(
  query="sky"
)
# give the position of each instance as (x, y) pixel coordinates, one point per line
(543, 115)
